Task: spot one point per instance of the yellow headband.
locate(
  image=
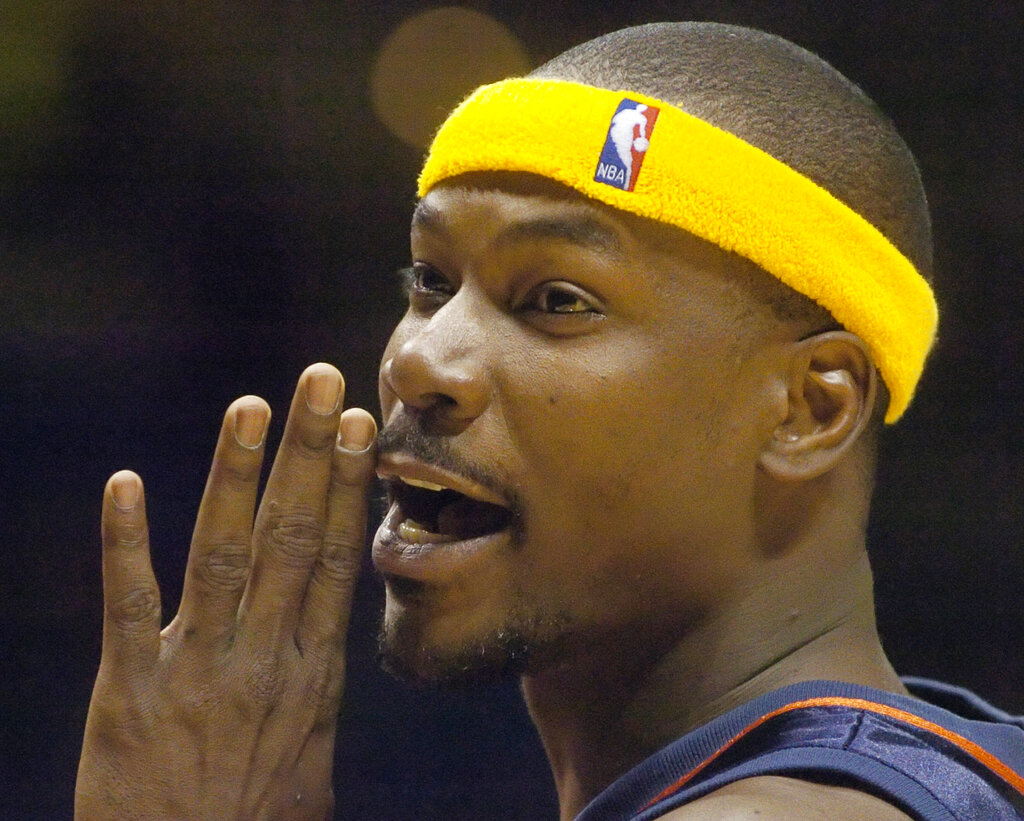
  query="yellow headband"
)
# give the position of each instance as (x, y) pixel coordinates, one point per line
(645, 156)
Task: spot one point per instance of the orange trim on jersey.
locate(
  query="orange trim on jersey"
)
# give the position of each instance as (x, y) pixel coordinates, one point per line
(1008, 774)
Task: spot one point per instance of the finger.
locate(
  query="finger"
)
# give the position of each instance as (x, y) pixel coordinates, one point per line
(290, 523)
(220, 556)
(131, 598)
(328, 603)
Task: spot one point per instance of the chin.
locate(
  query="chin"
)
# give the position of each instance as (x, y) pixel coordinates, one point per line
(408, 650)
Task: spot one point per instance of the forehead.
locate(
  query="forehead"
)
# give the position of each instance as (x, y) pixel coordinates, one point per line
(512, 208)
(511, 195)
(537, 220)
(524, 207)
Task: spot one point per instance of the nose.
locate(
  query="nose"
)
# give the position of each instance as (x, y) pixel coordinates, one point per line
(438, 370)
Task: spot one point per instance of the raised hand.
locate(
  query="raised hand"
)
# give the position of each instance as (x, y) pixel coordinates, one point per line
(230, 711)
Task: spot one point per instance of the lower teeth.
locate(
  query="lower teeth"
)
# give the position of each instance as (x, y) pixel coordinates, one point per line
(412, 531)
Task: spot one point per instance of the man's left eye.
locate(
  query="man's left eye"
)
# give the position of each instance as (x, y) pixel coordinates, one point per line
(560, 298)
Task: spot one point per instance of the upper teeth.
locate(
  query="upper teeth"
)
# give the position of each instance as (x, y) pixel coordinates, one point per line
(424, 484)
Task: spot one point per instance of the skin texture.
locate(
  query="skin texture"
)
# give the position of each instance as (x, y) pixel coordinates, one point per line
(722, 486)
(551, 404)
(688, 470)
(713, 484)
(230, 711)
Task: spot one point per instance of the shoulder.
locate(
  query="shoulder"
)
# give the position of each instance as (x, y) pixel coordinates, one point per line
(774, 798)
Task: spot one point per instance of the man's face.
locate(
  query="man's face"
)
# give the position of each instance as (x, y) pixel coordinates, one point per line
(587, 384)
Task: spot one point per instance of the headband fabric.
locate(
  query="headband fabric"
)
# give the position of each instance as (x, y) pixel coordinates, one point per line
(647, 157)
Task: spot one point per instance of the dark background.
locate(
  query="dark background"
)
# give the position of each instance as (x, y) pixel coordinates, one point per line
(196, 201)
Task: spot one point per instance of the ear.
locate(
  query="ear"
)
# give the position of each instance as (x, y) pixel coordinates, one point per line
(832, 384)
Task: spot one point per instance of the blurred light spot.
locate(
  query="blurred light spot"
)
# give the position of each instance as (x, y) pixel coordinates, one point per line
(431, 61)
(32, 46)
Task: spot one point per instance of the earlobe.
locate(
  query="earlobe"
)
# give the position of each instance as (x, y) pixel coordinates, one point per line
(832, 384)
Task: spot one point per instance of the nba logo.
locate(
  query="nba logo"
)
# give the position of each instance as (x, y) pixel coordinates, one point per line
(629, 136)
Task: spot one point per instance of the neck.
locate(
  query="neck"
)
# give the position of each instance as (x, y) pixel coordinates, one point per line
(613, 705)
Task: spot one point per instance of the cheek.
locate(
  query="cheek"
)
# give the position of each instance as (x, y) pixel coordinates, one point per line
(626, 485)
(606, 425)
(587, 437)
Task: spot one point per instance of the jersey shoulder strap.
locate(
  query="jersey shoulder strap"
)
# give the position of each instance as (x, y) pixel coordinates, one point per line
(933, 764)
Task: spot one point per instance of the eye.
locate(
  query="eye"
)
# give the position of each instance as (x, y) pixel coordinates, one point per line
(425, 286)
(561, 298)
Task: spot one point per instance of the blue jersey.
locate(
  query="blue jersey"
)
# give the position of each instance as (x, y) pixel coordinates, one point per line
(945, 756)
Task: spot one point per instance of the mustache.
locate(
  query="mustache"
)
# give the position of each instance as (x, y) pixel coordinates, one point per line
(405, 436)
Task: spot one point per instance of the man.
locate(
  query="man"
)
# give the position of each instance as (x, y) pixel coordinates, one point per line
(628, 436)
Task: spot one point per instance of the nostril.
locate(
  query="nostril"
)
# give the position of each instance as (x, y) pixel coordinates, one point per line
(442, 400)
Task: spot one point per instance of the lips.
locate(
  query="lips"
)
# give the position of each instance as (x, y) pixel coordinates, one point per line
(436, 519)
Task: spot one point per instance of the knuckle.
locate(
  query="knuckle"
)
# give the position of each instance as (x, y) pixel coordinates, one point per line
(108, 721)
(199, 701)
(297, 534)
(239, 472)
(314, 441)
(316, 687)
(226, 566)
(131, 535)
(137, 607)
(264, 682)
(340, 562)
(111, 705)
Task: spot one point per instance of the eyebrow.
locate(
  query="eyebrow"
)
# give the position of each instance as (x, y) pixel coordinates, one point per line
(578, 229)
(425, 215)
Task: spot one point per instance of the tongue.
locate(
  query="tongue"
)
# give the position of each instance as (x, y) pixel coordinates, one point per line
(467, 518)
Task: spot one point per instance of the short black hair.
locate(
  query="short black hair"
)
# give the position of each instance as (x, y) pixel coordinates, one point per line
(779, 97)
(789, 103)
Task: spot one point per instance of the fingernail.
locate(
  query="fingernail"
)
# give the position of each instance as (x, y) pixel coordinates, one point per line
(124, 488)
(323, 392)
(357, 431)
(250, 426)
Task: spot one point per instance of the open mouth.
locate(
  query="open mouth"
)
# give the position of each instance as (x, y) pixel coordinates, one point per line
(429, 513)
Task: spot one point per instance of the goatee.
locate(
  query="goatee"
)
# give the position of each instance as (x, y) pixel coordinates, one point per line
(506, 653)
